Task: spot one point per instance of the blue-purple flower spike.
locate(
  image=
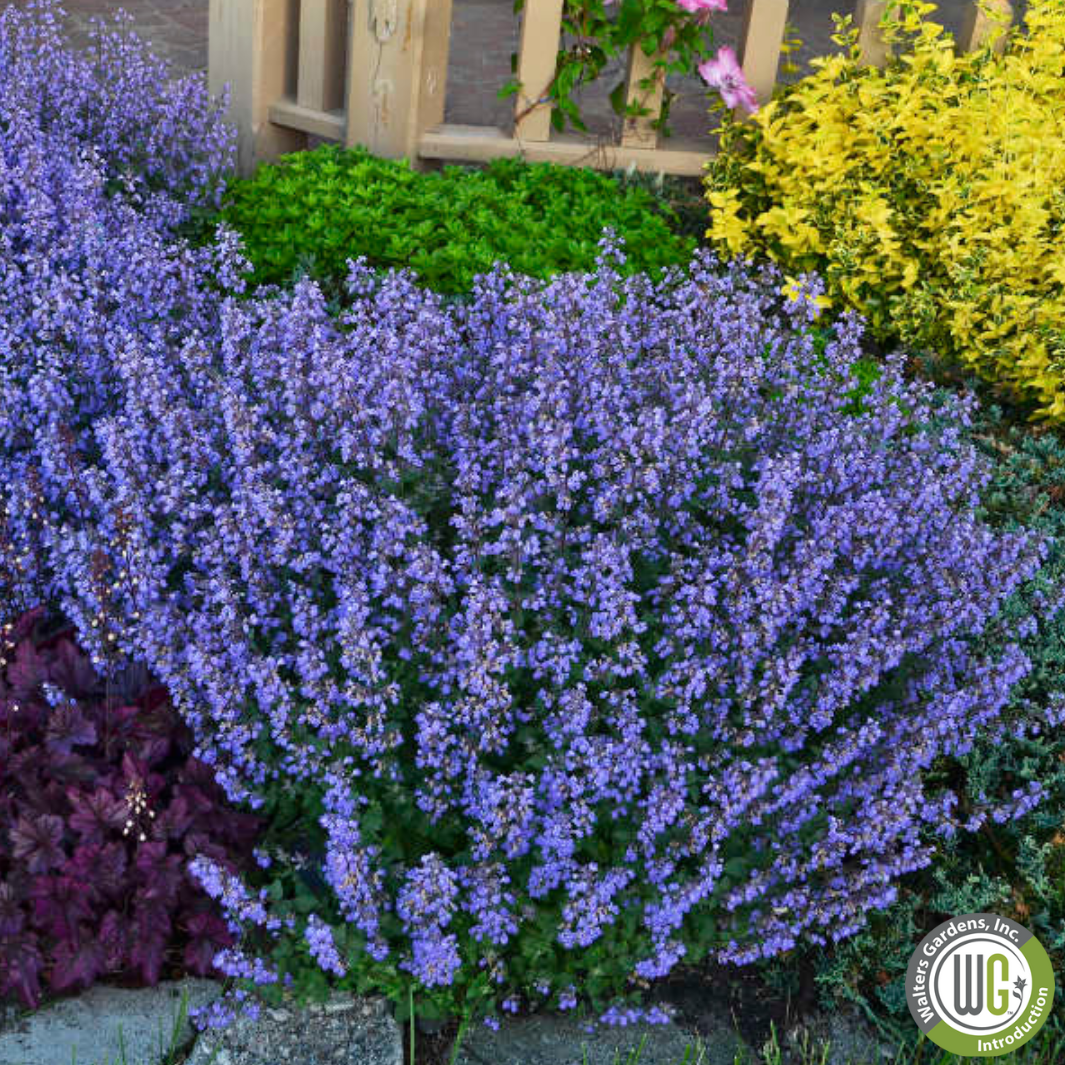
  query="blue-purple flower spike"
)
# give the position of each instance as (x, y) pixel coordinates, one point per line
(586, 605)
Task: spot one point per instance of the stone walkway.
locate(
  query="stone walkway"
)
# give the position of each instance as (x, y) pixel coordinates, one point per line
(484, 33)
(176, 28)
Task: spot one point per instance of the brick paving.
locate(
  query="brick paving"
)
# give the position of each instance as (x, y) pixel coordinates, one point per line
(484, 33)
(177, 29)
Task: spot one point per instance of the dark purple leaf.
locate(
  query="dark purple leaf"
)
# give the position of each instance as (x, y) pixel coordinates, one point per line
(100, 868)
(23, 718)
(150, 857)
(20, 968)
(96, 816)
(114, 938)
(130, 683)
(60, 904)
(76, 962)
(176, 818)
(199, 956)
(26, 671)
(72, 670)
(152, 927)
(12, 915)
(38, 842)
(115, 725)
(70, 768)
(196, 844)
(208, 934)
(23, 628)
(152, 749)
(157, 699)
(134, 771)
(68, 727)
(161, 877)
(199, 802)
(206, 924)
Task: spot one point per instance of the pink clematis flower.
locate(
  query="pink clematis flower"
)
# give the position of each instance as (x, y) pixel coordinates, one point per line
(697, 7)
(724, 74)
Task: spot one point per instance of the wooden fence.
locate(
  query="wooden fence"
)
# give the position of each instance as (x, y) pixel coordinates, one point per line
(374, 72)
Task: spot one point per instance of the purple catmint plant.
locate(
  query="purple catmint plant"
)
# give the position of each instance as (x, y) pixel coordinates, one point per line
(160, 137)
(576, 631)
(102, 156)
(602, 636)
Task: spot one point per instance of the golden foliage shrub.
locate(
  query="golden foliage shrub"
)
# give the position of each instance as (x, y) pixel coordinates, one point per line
(929, 194)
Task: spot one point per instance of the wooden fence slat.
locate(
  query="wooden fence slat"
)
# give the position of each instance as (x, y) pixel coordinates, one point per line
(323, 42)
(760, 44)
(252, 49)
(329, 125)
(688, 156)
(285, 61)
(638, 132)
(397, 73)
(978, 27)
(541, 30)
(875, 51)
(433, 88)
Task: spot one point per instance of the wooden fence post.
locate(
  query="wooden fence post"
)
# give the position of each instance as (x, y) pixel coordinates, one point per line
(980, 26)
(875, 51)
(541, 30)
(397, 73)
(251, 47)
(760, 43)
(323, 44)
(638, 132)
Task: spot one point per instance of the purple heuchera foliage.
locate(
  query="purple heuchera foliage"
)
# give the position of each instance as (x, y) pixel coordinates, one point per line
(100, 808)
(581, 561)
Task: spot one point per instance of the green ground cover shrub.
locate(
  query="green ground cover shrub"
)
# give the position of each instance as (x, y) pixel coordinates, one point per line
(312, 211)
(927, 194)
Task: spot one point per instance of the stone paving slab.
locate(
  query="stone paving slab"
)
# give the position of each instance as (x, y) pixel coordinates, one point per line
(100, 1025)
(560, 1040)
(342, 1031)
(484, 34)
(176, 29)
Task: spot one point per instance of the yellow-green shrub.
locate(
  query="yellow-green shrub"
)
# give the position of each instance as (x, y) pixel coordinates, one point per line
(930, 194)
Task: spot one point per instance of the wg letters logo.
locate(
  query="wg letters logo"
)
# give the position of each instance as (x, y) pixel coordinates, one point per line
(980, 985)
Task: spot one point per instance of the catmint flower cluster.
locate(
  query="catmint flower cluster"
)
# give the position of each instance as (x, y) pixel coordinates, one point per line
(103, 156)
(603, 633)
(160, 137)
(322, 946)
(589, 585)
